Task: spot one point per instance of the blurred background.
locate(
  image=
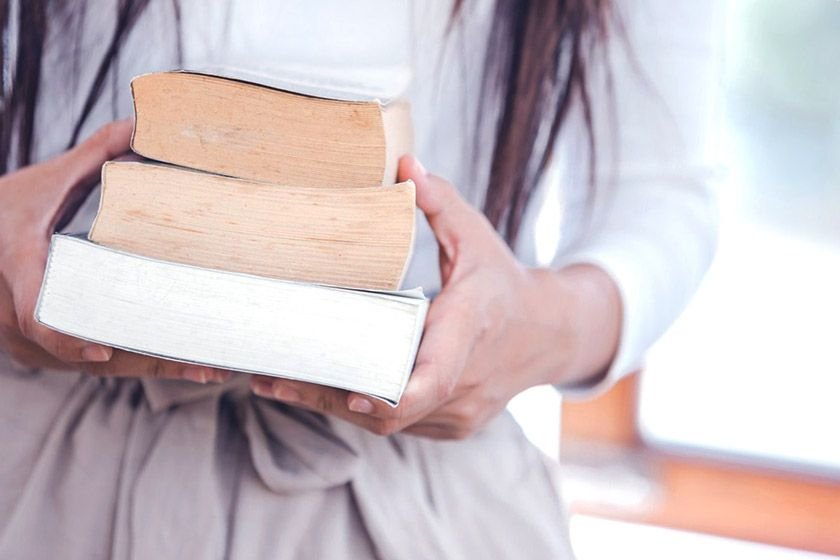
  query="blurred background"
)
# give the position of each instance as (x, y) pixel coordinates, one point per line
(726, 445)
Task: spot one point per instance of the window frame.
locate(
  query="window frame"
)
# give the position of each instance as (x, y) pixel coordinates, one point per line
(705, 494)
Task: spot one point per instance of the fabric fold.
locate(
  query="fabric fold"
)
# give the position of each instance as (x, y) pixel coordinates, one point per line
(104, 468)
(293, 450)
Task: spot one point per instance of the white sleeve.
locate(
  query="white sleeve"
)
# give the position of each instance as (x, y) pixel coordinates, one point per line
(654, 225)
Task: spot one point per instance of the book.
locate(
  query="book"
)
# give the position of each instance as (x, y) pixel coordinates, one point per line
(254, 131)
(362, 341)
(355, 237)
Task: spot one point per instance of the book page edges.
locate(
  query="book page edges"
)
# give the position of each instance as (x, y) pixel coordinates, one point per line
(410, 252)
(414, 293)
(391, 399)
(393, 402)
(419, 323)
(109, 168)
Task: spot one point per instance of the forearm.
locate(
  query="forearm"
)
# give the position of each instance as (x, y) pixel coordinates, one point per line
(572, 324)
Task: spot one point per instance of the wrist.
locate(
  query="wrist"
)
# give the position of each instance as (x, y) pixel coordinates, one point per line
(577, 310)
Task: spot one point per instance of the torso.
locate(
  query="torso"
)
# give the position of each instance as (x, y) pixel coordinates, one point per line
(391, 44)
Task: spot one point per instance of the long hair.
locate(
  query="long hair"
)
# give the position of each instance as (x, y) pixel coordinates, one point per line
(535, 72)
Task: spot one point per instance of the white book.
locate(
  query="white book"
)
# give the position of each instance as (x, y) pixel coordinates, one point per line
(362, 341)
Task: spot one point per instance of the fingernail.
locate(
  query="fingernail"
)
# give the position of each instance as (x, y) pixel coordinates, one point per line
(420, 167)
(359, 404)
(95, 353)
(285, 393)
(262, 388)
(219, 376)
(195, 373)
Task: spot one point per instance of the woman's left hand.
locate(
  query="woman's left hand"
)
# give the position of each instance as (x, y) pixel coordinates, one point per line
(496, 329)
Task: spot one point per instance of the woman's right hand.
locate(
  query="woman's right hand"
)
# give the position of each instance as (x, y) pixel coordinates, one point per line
(32, 201)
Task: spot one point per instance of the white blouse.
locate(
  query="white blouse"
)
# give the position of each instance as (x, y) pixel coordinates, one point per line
(653, 221)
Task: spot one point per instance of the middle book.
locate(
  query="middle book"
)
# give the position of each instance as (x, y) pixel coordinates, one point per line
(358, 237)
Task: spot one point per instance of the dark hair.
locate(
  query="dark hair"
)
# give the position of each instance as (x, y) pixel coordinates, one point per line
(21, 77)
(535, 71)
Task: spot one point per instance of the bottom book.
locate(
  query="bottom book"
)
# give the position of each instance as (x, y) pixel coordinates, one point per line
(362, 341)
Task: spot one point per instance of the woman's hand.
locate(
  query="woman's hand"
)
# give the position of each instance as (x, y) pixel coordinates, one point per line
(32, 201)
(495, 329)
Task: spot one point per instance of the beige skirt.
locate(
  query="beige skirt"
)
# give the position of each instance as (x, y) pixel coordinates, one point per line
(104, 468)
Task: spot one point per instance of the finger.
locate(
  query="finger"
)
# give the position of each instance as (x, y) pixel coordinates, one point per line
(451, 218)
(69, 172)
(328, 400)
(84, 161)
(82, 166)
(130, 364)
(27, 353)
(317, 398)
(425, 392)
(447, 343)
(27, 283)
(433, 431)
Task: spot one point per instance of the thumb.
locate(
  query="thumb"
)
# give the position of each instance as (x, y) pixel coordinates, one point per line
(81, 167)
(86, 159)
(449, 215)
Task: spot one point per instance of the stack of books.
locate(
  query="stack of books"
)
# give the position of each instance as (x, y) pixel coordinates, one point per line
(270, 238)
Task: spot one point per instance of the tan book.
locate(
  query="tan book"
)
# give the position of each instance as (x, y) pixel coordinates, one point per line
(245, 129)
(358, 238)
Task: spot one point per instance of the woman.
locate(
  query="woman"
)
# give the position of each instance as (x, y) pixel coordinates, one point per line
(144, 460)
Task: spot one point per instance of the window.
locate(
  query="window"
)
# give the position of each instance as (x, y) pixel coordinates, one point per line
(752, 368)
(731, 428)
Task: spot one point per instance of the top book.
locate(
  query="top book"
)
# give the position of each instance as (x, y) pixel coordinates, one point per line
(230, 126)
